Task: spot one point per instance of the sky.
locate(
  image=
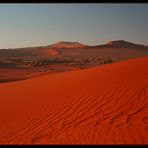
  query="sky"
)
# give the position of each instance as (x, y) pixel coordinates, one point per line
(28, 25)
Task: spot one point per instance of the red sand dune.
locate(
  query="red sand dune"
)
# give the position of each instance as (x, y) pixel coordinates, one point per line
(123, 43)
(120, 42)
(28, 52)
(64, 44)
(52, 52)
(101, 105)
(45, 51)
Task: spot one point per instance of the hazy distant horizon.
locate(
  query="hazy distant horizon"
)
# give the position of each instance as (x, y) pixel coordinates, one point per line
(32, 25)
(64, 41)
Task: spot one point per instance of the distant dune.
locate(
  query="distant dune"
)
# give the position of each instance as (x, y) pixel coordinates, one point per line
(28, 52)
(52, 52)
(64, 44)
(113, 49)
(120, 49)
(101, 105)
(42, 51)
(122, 43)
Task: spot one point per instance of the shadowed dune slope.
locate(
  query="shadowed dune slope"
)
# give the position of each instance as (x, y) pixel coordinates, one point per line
(101, 105)
(27, 52)
(122, 43)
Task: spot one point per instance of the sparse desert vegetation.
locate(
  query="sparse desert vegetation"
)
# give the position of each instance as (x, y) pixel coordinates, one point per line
(63, 56)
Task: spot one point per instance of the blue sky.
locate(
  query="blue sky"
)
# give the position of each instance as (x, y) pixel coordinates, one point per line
(23, 25)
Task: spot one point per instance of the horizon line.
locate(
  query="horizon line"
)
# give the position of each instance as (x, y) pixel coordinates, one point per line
(71, 42)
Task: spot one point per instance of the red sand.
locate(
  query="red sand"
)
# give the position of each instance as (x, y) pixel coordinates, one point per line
(64, 44)
(101, 105)
(52, 52)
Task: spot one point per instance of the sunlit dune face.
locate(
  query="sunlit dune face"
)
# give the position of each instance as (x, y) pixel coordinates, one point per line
(101, 105)
(52, 52)
(109, 43)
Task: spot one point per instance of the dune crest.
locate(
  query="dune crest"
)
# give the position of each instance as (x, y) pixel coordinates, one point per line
(123, 43)
(101, 105)
(64, 44)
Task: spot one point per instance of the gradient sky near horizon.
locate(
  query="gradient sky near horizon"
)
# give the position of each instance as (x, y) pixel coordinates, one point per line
(25, 25)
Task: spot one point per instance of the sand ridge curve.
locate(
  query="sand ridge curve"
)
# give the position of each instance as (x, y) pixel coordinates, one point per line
(100, 105)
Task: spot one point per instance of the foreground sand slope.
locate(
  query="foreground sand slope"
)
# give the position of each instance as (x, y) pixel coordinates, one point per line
(101, 105)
